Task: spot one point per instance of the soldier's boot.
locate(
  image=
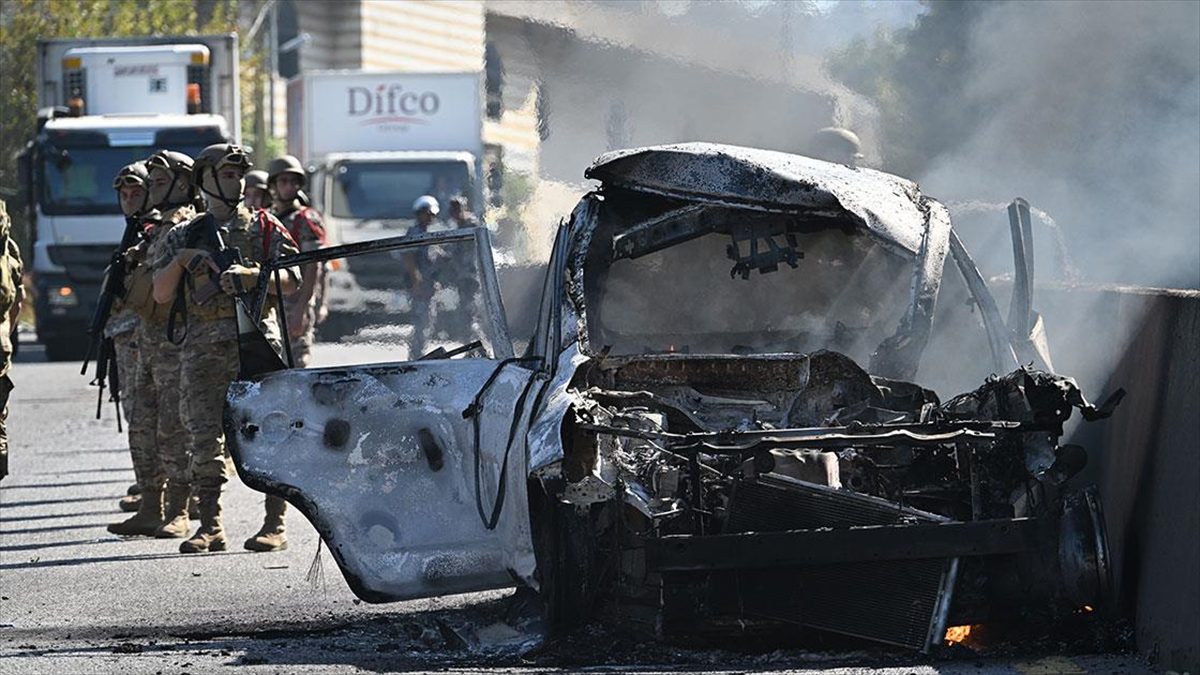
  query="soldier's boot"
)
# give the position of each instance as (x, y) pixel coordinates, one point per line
(130, 503)
(273, 535)
(147, 519)
(175, 523)
(132, 500)
(210, 536)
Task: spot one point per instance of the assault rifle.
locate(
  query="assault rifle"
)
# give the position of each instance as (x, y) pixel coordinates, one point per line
(100, 347)
(255, 351)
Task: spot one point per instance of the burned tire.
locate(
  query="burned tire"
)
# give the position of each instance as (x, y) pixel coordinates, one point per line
(565, 542)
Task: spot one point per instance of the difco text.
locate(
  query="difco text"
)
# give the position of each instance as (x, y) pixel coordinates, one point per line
(390, 100)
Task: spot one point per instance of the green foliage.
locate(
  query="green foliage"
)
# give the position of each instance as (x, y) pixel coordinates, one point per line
(916, 78)
(23, 22)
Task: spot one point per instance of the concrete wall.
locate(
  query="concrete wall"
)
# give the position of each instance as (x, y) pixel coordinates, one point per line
(1146, 458)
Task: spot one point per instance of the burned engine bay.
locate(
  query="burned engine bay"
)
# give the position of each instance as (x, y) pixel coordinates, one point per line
(801, 490)
(745, 430)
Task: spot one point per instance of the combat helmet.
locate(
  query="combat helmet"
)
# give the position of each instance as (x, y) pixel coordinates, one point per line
(835, 144)
(213, 158)
(135, 174)
(286, 164)
(179, 165)
(256, 179)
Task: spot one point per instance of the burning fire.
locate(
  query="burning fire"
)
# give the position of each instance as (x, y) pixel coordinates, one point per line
(956, 634)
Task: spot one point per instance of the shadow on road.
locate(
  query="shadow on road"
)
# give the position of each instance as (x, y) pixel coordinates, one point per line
(110, 469)
(56, 528)
(56, 544)
(137, 557)
(38, 486)
(103, 451)
(51, 516)
(4, 503)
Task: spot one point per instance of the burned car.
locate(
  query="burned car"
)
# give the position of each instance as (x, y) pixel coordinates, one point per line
(714, 429)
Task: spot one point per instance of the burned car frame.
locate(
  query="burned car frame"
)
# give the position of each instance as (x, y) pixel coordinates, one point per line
(690, 442)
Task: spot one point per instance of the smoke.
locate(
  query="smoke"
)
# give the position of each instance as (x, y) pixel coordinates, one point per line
(608, 74)
(1093, 115)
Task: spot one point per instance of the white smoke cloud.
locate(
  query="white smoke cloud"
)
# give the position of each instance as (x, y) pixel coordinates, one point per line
(1094, 116)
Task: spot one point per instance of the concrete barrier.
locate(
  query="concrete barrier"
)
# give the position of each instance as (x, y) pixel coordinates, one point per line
(1146, 458)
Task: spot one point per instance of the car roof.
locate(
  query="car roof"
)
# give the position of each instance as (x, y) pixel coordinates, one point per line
(889, 207)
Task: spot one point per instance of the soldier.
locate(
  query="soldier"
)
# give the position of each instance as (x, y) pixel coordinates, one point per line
(460, 215)
(303, 309)
(466, 280)
(258, 195)
(134, 197)
(420, 273)
(12, 293)
(286, 179)
(834, 144)
(187, 274)
(156, 420)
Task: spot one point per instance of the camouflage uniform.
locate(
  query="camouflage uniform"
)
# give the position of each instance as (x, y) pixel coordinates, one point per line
(308, 231)
(154, 421)
(209, 353)
(10, 267)
(121, 328)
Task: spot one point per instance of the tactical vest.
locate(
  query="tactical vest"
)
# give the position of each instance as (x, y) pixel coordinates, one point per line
(302, 217)
(139, 283)
(245, 235)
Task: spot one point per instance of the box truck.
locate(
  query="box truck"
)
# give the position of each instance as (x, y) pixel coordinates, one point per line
(104, 103)
(374, 142)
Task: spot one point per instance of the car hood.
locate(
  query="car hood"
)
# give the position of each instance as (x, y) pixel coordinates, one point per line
(891, 208)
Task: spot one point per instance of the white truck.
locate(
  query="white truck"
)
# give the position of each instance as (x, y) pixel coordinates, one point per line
(104, 103)
(376, 141)
(373, 143)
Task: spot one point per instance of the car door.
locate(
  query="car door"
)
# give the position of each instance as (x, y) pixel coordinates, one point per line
(412, 470)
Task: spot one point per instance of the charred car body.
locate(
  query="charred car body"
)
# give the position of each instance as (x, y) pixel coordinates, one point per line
(713, 429)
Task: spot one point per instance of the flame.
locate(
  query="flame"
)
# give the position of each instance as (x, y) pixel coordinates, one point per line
(957, 634)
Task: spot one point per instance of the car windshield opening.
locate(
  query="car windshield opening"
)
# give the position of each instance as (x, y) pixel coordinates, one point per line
(692, 285)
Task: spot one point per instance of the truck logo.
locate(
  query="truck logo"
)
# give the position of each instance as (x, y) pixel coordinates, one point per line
(391, 104)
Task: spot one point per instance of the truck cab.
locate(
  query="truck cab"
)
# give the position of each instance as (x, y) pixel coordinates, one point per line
(69, 168)
(105, 103)
(369, 195)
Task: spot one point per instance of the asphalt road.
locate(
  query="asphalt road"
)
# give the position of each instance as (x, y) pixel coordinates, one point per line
(74, 598)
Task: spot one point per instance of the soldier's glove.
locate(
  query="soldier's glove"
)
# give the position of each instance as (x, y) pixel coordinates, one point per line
(196, 260)
(238, 279)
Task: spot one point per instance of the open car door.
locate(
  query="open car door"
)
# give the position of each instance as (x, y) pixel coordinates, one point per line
(412, 464)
